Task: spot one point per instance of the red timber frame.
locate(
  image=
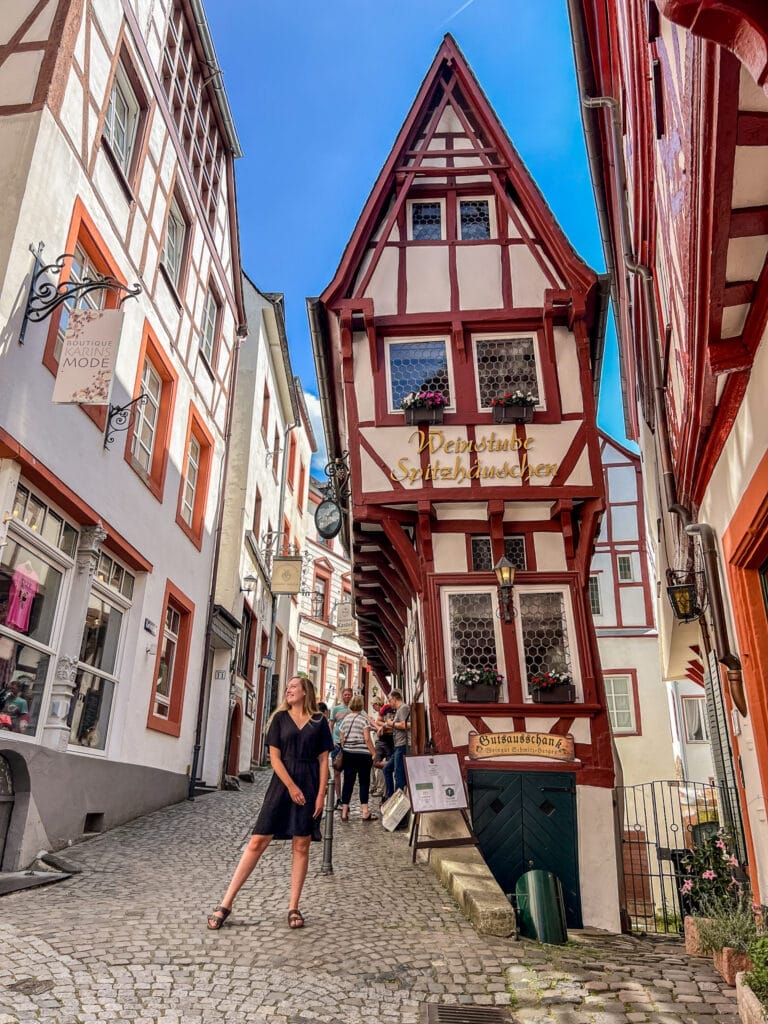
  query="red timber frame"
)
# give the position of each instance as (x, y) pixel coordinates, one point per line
(392, 541)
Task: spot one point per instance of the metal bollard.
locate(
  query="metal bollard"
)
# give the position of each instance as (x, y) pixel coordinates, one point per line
(326, 868)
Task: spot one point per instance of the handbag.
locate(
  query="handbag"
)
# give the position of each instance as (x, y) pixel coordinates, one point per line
(338, 761)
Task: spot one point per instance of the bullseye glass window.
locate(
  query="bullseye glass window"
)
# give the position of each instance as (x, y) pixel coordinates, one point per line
(471, 630)
(505, 364)
(474, 218)
(544, 630)
(418, 366)
(426, 222)
(482, 558)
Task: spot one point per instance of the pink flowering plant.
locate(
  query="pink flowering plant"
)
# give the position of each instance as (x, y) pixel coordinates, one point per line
(518, 397)
(712, 873)
(471, 677)
(547, 678)
(424, 400)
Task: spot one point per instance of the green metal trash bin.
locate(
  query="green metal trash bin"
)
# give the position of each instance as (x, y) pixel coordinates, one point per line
(540, 907)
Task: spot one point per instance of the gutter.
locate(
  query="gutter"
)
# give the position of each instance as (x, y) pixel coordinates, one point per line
(215, 81)
(705, 533)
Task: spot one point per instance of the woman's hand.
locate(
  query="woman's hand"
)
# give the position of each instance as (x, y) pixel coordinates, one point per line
(319, 803)
(296, 795)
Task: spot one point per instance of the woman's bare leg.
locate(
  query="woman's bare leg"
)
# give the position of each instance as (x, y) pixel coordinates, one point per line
(299, 866)
(250, 858)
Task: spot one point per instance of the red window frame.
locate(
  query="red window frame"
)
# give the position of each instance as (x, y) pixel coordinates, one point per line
(291, 461)
(196, 428)
(186, 609)
(153, 351)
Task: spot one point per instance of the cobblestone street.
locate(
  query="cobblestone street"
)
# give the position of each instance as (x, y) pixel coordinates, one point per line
(126, 940)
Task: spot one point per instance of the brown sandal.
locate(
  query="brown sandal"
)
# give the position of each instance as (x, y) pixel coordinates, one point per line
(214, 922)
(295, 919)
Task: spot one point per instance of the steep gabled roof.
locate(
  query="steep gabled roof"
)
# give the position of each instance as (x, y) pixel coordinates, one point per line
(450, 83)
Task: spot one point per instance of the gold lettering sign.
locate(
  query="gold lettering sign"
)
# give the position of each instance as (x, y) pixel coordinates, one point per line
(458, 468)
(521, 744)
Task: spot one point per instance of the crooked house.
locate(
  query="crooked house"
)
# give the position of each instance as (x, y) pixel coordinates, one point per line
(458, 350)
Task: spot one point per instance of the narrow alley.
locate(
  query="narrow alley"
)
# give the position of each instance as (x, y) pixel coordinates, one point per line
(126, 940)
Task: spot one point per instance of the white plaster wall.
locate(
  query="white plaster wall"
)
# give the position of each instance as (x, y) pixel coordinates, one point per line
(598, 859)
(550, 552)
(568, 373)
(632, 606)
(429, 286)
(382, 287)
(450, 552)
(478, 269)
(528, 279)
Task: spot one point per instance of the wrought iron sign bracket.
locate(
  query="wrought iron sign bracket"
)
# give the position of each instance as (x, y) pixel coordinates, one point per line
(121, 416)
(337, 472)
(46, 295)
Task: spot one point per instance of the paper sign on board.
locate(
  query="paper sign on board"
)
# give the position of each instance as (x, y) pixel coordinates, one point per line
(88, 357)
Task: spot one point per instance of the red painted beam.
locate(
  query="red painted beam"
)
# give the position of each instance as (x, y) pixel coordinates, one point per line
(749, 221)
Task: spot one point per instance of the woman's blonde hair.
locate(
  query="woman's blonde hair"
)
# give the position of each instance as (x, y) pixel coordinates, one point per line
(308, 705)
(356, 704)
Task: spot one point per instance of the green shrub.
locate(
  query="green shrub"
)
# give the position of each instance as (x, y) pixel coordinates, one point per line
(729, 922)
(757, 979)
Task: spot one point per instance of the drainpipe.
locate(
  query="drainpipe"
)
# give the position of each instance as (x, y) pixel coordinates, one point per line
(270, 655)
(242, 333)
(705, 533)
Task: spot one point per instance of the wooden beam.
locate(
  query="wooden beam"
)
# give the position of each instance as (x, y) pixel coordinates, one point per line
(749, 221)
(738, 293)
(752, 129)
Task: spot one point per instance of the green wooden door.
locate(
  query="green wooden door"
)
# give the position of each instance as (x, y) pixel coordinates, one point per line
(526, 820)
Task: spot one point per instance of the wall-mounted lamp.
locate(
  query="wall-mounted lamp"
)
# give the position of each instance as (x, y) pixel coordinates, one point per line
(250, 584)
(683, 594)
(505, 577)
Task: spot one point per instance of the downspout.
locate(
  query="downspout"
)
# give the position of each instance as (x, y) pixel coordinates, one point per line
(242, 332)
(705, 533)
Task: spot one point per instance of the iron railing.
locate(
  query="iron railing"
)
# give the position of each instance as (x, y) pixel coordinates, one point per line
(660, 822)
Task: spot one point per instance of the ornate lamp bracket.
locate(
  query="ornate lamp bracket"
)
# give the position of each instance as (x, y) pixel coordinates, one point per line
(338, 472)
(46, 295)
(121, 416)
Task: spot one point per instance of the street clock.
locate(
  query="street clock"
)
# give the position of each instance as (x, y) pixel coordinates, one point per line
(328, 519)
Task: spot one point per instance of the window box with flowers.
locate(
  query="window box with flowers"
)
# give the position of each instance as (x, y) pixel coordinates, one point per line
(477, 685)
(514, 407)
(423, 407)
(549, 687)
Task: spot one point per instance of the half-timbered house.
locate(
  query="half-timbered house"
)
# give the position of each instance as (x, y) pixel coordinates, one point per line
(458, 286)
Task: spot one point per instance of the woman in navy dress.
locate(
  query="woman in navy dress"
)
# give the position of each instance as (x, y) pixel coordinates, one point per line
(299, 740)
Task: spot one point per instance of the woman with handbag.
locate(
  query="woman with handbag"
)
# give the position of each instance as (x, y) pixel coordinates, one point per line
(357, 752)
(298, 739)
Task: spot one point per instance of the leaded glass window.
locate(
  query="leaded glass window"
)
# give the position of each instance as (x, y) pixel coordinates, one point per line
(505, 364)
(418, 366)
(595, 602)
(471, 630)
(426, 222)
(475, 218)
(482, 558)
(544, 632)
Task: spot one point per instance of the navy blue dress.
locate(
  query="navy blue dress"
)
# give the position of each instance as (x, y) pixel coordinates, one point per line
(279, 816)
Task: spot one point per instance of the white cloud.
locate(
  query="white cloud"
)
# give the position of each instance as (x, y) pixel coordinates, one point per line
(320, 458)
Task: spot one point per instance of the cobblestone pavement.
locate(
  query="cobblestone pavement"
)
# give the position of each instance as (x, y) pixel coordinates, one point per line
(126, 940)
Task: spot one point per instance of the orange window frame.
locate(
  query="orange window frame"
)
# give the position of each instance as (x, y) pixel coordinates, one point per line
(83, 232)
(196, 428)
(291, 461)
(302, 482)
(152, 350)
(171, 725)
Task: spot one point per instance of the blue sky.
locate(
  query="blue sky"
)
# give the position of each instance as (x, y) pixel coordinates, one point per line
(319, 90)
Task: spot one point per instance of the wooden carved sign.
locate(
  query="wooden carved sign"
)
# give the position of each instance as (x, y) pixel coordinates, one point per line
(521, 744)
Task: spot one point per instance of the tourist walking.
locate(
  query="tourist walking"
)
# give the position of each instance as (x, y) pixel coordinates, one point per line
(338, 715)
(298, 739)
(358, 751)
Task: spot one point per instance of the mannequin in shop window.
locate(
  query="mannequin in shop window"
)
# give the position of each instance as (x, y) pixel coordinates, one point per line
(24, 587)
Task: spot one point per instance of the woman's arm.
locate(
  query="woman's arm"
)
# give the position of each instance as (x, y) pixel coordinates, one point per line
(276, 760)
(323, 762)
(368, 741)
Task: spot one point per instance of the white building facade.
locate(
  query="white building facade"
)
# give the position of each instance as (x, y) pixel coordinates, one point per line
(117, 153)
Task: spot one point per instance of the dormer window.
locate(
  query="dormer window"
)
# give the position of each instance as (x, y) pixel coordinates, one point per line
(474, 219)
(426, 220)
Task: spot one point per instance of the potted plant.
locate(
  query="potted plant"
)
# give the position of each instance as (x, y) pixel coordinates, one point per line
(730, 928)
(477, 685)
(514, 407)
(752, 988)
(550, 687)
(423, 407)
(711, 872)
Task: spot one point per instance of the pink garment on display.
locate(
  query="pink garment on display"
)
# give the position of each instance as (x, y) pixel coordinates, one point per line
(20, 597)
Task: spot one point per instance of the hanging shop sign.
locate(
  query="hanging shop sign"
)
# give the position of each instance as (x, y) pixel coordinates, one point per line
(88, 356)
(345, 624)
(521, 744)
(461, 459)
(286, 575)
